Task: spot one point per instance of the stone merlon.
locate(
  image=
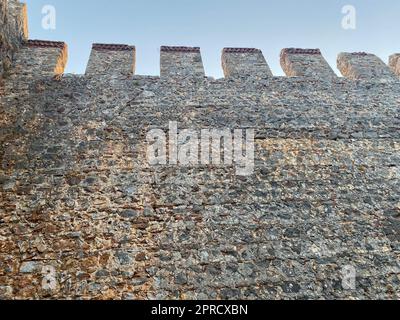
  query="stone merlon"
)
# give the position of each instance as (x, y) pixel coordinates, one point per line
(13, 31)
(363, 66)
(394, 63)
(181, 62)
(305, 63)
(244, 62)
(112, 60)
(42, 58)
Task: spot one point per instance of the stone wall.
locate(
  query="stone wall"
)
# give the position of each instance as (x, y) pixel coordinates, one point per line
(80, 204)
(112, 60)
(13, 31)
(305, 63)
(244, 62)
(363, 66)
(37, 58)
(394, 63)
(181, 62)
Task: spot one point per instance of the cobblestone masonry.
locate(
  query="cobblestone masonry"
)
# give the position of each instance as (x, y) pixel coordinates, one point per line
(305, 63)
(394, 63)
(112, 60)
(181, 62)
(244, 62)
(76, 192)
(364, 66)
(14, 29)
(44, 58)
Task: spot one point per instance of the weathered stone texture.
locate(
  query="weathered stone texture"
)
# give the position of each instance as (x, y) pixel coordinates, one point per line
(394, 63)
(244, 62)
(305, 63)
(112, 60)
(40, 58)
(363, 66)
(78, 197)
(181, 62)
(13, 31)
(77, 192)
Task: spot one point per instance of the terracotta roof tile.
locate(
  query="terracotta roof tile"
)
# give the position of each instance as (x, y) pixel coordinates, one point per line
(45, 44)
(112, 47)
(301, 51)
(241, 50)
(180, 49)
(359, 53)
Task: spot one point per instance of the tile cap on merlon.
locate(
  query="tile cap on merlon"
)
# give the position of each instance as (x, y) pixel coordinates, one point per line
(301, 51)
(112, 47)
(241, 50)
(45, 44)
(359, 54)
(179, 49)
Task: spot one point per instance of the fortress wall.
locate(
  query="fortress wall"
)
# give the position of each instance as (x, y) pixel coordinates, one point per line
(244, 62)
(305, 63)
(78, 195)
(112, 60)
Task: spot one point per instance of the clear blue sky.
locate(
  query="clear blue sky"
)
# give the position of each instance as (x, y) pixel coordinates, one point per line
(213, 24)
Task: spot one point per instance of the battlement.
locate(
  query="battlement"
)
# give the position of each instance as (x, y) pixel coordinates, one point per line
(49, 58)
(182, 62)
(119, 61)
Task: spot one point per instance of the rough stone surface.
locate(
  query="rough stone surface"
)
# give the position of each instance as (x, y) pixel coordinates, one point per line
(305, 63)
(112, 60)
(244, 62)
(40, 58)
(13, 30)
(77, 190)
(363, 66)
(81, 208)
(394, 63)
(181, 62)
